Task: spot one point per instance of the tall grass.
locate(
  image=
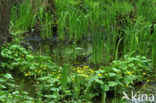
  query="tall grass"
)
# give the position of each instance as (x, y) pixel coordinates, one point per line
(21, 17)
(114, 32)
(46, 20)
(42, 23)
(153, 51)
(62, 25)
(110, 25)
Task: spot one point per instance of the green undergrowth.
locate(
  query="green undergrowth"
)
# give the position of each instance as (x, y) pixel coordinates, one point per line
(119, 38)
(10, 92)
(57, 84)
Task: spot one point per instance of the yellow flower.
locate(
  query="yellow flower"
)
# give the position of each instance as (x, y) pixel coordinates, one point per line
(44, 68)
(106, 74)
(82, 74)
(127, 85)
(35, 70)
(26, 74)
(147, 80)
(129, 73)
(118, 72)
(144, 73)
(92, 71)
(100, 74)
(73, 79)
(78, 71)
(29, 73)
(32, 102)
(58, 77)
(87, 76)
(59, 71)
(85, 67)
(78, 68)
(37, 82)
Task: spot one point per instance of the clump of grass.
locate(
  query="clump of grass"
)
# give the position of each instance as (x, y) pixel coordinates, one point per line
(116, 27)
(46, 19)
(21, 17)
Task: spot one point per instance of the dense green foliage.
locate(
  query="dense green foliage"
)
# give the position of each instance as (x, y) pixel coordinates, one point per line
(68, 84)
(116, 27)
(10, 92)
(118, 37)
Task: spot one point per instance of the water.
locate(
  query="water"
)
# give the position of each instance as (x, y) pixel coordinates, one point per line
(26, 84)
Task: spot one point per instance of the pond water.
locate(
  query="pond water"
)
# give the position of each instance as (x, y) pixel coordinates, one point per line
(64, 52)
(25, 84)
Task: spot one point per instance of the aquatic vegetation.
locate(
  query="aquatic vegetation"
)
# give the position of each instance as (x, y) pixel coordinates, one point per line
(121, 74)
(106, 24)
(22, 16)
(94, 48)
(46, 23)
(63, 81)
